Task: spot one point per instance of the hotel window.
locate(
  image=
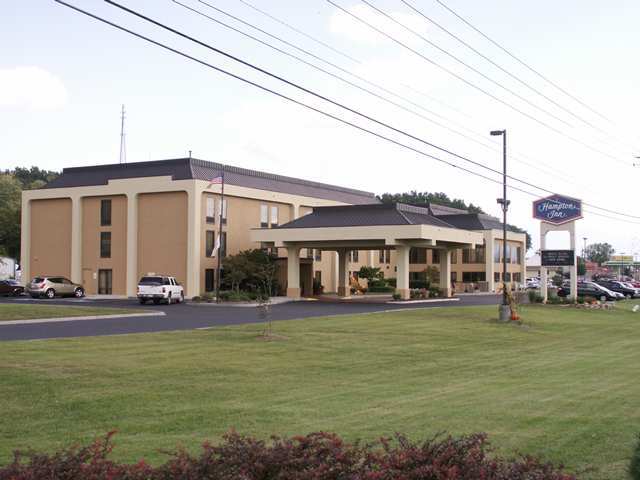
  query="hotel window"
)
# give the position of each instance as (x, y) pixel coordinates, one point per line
(264, 216)
(309, 252)
(508, 279)
(517, 277)
(474, 276)
(211, 210)
(318, 255)
(223, 244)
(210, 243)
(353, 256)
(435, 256)
(381, 256)
(223, 204)
(496, 277)
(519, 255)
(454, 256)
(209, 278)
(105, 213)
(497, 250)
(480, 255)
(417, 255)
(105, 244)
(454, 276)
(466, 255)
(274, 216)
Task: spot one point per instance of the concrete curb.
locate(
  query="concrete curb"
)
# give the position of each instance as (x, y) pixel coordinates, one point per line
(433, 300)
(73, 319)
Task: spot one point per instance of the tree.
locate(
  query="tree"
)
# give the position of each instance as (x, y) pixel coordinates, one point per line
(371, 274)
(251, 271)
(599, 252)
(10, 203)
(582, 267)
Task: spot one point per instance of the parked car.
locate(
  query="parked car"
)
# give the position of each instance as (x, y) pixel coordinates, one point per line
(51, 287)
(618, 287)
(532, 283)
(160, 288)
(11, 287)
(591, 289)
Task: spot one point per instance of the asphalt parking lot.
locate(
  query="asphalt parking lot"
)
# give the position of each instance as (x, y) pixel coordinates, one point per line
(190, 316)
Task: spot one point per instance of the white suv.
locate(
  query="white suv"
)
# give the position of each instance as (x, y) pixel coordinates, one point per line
(160, 288)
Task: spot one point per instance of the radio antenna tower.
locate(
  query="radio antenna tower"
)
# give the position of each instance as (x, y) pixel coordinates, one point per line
(123, 145)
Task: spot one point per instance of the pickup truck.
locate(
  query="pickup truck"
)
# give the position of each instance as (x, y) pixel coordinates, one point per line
(160, 288)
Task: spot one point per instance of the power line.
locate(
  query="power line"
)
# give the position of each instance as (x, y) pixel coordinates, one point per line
(504, 70)
(297, 30)
(278, 94)
(482, 143)
(462, 79)
(522, 62)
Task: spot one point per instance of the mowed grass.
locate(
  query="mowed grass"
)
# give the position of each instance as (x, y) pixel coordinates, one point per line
(19, 311)
(565, 386)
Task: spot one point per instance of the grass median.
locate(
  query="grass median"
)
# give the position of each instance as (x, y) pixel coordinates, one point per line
(15, 311)
(563, 386)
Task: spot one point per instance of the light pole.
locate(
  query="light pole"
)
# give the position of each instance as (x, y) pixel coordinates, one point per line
(584, 258)
(504, 314)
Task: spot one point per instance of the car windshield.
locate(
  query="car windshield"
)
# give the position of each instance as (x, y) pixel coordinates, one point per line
(37, 280)
(12, 282)
(150, 281)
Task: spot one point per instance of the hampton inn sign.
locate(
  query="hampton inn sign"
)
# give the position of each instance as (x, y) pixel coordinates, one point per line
(558, 213)
(557, 209)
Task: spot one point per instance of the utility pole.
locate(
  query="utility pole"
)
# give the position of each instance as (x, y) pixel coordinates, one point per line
(123, 146)
(584, 257)
(504, 314)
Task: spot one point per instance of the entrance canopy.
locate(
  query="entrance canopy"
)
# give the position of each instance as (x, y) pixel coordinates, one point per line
(368, 227)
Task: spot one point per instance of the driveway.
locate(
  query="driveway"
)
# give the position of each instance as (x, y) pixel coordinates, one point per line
(192, 316)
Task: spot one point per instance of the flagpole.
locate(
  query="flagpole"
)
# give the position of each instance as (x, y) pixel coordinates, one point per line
(220, 239)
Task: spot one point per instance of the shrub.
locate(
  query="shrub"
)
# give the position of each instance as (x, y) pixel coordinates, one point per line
(391, 281)
(319, 456)
(418, 293)
(634, 465)
(434, 292)
(381, 289)
(533, 295)
(397, 296)
(196, 299)
(233, 296)
(207, 297)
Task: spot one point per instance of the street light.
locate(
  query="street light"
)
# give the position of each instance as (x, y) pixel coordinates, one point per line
(584, 259)
(504, 308)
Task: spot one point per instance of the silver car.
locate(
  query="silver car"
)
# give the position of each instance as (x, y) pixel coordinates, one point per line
(51, 287)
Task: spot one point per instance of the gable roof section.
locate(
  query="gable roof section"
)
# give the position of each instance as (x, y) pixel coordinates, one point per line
(191, 168)
(366, 215)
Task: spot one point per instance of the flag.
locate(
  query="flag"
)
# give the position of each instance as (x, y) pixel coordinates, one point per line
(216, 181)
(216, 247)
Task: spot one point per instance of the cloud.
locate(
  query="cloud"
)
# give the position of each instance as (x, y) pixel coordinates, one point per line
(31, 87)
(340, 23)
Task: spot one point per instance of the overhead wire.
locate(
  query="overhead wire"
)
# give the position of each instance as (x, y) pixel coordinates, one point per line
(471, 84)
(285, 97)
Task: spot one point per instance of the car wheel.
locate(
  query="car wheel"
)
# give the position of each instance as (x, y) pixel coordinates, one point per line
(79, 293)
(142, 301)
(181, 299)
(51, 293)
(169, 299)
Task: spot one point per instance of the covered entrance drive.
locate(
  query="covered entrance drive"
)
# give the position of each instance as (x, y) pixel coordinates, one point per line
(367, 227)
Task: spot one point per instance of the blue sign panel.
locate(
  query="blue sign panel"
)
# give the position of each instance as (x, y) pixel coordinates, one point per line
(557, 209)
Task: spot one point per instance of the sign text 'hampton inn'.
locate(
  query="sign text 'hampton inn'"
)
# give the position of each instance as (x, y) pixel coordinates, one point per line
(557, 209)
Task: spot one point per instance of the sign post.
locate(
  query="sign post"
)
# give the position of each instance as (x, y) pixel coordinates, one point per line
(558, 213)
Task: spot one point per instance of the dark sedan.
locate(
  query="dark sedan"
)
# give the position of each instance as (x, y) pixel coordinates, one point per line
(618, 287)
(589, 289)
(11, 287)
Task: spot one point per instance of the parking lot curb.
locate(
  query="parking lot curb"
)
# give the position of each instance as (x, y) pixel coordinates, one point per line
(73, 319)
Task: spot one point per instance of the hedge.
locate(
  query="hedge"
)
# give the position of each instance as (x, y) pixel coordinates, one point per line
(317, 456)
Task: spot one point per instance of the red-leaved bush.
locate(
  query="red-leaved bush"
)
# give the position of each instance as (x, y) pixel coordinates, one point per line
(317, 456)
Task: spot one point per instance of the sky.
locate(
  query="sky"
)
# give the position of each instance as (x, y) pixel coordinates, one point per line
(64, 77)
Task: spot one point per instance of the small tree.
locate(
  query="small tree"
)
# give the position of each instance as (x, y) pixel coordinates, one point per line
(371, 274)
(582, 267)
(432, 275)
(599, 252)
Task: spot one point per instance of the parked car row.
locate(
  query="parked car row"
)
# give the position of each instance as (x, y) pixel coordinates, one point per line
(155, 288)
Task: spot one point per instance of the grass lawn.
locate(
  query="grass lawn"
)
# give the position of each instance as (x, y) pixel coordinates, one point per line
(15, 311)
(565, 386)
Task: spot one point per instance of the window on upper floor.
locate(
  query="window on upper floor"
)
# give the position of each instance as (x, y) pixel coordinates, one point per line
(105, 213)
(211, 210)
(417, 255)
(210, 243)
(274, 216)
(353, 256)
(105, 244)
(435, 257)
(223, 204)
(264, 216)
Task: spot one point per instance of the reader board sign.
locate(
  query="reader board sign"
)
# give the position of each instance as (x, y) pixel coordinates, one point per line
(557, 209)
(557, 258)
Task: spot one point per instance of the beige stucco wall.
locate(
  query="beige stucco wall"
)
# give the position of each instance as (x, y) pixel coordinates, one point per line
(91, 228)
(162, 234)
(50, 238)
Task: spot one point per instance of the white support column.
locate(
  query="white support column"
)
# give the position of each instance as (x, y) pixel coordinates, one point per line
(489, 264)
(295, 211)
(371, 254)
(76, 239)
(543, 270)
(445, 272)
(293, 272)
(194, 223)
(132, 244)
(25, 240)
(335, 270)
(402, 276)
(344, 289)
(573, 269)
